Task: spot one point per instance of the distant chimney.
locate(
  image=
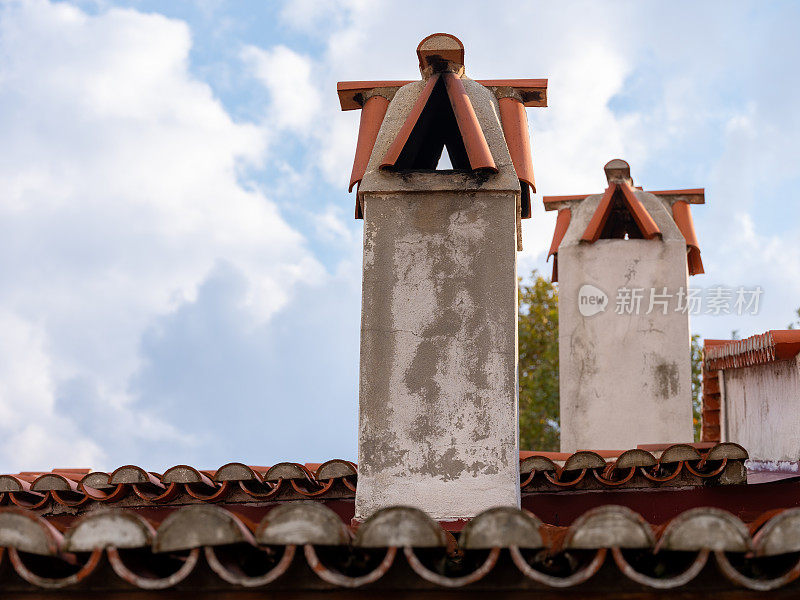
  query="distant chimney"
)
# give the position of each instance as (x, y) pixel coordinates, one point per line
(622, 260)
(438, 381)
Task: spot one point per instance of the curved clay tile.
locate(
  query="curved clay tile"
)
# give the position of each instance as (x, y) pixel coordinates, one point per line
(335, 469)
(26, 531)
(372, 114)
(400, 526)
(393, 153)
(200, 525)
(287, 470)
(301, 523)
(480, 157)
(584, 459)
(236, 472)
(109, 528)
(477, 149)
(683, 219)
(562, 224)
(185, 474)
(501, 527)
(780, 534)
(438, 48)
(133, 474)
(705, 528)
(643, 220)
(515, 129)
(609, 526)
(53, 482)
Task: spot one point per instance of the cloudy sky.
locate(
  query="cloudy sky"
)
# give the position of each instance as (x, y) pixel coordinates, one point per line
(179, 266)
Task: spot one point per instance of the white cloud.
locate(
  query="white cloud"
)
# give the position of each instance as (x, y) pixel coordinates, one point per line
(287, 76)
(32, 432)
(122, 179)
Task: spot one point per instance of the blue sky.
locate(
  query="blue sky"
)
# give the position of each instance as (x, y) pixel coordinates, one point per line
(179, 266)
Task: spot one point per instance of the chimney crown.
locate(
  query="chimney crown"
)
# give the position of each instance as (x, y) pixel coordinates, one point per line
(618, 171)
(439, 53)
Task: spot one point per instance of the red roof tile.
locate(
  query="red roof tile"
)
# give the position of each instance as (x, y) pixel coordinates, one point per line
(683, 219)
(478, 153)
(647, 226)
(239, 484)
(774, 345)
(515, 129)
(308, 546)
(371, 120)
(562, 224)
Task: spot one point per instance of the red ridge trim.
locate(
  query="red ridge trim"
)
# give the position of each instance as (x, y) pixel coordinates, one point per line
(643, 219)
(600, 216)
(480, 157)
(393, 153)
(562, 224)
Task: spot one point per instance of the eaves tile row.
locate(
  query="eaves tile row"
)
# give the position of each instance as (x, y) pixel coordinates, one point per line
(771, 346)
(644, 467)
(305, 545)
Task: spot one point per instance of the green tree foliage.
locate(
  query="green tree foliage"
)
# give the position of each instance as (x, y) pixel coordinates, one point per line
(538, 364)
(795, 324)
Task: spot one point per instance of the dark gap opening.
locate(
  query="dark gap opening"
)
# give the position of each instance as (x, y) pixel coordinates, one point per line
(620, 224)
(436, 129)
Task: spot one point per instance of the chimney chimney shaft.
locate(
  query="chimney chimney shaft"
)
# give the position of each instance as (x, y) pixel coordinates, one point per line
(438, 414)
(624, 364)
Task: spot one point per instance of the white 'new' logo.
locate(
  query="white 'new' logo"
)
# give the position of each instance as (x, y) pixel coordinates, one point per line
(591, 300)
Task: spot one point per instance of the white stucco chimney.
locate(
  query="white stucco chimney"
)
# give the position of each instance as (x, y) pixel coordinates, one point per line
(623, 260)
(438, 379)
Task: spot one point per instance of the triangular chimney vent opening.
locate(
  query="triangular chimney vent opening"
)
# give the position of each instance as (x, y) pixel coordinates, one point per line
(620, 215)
(620, 223)
(435, 129)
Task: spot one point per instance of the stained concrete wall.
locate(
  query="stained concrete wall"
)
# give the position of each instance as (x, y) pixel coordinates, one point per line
(760, 409)
(438, 423)
(625, 379)
(438, 397)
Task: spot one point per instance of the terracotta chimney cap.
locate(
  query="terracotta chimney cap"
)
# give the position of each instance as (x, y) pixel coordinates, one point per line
(440, 52)
(618, 171)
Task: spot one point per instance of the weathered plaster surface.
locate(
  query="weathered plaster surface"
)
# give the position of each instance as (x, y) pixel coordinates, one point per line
(438, 397)
(438, 382)
(624, 379)
(761, 409)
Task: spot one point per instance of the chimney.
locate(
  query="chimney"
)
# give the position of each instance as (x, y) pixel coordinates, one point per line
(438, 379)
(622, 260)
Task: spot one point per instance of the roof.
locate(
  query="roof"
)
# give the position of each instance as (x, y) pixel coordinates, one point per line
(290, 527)
(771, 346)
(60, 490)
(304, 546)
